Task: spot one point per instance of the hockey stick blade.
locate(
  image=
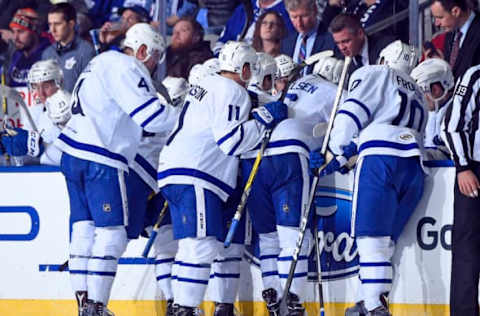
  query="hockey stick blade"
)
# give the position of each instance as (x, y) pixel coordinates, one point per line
(156, 227)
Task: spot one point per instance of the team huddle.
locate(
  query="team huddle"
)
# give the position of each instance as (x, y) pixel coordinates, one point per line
(126, 151)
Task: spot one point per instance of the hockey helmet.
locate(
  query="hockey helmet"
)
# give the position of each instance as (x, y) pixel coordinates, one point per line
(434, 70)
(285, 65)
(145, 34)
(45, 70)
(59, 107)
(266, 66)
(329, 68)
(234, 55)
(399, 56)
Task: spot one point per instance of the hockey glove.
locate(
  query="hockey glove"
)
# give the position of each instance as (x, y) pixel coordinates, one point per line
(331, 163)
(271, 114)
(19, 142)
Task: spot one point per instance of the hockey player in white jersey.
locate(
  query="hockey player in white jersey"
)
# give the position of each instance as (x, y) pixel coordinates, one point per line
(281, 188)
(285, 66)
(386, 109)
(45, 80)
(114, 102)
(261, 86)
(198, 166)
(434, 76)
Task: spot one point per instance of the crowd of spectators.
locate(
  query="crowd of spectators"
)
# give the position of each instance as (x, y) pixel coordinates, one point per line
(68, 31)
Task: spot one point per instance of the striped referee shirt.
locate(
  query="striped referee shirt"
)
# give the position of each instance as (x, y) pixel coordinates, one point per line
(462, 120)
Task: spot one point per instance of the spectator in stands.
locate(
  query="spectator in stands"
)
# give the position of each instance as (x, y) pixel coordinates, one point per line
(269, 32)
(236, 22)
(311, 34)
(28, 46)
(214, 14)
(177, 9)
(187, 48)
(112, 33)
(461, 22)
(352, 41)
(70, 51)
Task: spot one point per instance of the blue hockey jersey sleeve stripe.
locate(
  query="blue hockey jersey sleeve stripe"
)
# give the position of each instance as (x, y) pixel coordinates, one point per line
(284, 143)
(232, 152)
(353, 117)
(196, 174)
(363, 106)
(92, 148)
(387, 144)
(230, 134)
(146, 166)
(154, 115)
(141, 107)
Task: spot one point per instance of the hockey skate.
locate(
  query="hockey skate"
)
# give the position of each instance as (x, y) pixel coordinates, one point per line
(357, 310)
(187, 311)
(293, 305)
(170, 308)
(224, 309)
(381, 310)
(96, 309)
(81, 297)
(273, 305)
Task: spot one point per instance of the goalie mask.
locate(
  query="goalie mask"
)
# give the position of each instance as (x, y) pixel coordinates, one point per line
(234, 55)
(145, 34)
(399, 56)
(59, 108)
(45, 70)
(266, 69)
(432, 71)
(329, 68)
(177, 89)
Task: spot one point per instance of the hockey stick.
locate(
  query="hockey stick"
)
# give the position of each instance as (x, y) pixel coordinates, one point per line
(249, 17)
(5, 111)
(306, 213)
(319, 269)
(156, 227)
(266, 138)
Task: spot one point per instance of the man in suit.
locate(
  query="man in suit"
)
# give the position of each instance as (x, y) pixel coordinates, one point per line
(311, 35)
(462, 23)
(351, 40)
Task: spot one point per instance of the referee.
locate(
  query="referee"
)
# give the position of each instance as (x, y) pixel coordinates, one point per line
(463, 138)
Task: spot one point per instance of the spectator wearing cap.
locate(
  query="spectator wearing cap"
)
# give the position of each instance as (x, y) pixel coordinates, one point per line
(112, 33)
(70, 51)
(28, 46)
(187, 48)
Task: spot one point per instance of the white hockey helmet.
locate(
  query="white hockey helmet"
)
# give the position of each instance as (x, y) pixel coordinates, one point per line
(266, 66)
(197, 73)
(177, 89)
(399, 56)
(329, 68)
(234, 55)
(212, 65)
(285, 65)
(45, 70)
(145, 34)
(433, 70)
(59, 107)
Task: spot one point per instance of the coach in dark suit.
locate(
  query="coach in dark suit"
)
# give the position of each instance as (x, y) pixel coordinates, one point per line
(351, 39)
(311, 35)
(463, 38)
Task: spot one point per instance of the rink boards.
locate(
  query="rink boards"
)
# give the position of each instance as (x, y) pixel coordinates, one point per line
(34, 243)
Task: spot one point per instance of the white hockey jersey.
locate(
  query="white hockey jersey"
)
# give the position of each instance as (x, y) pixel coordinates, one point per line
(147, 158)
(385, 109)
(113, 101)
(310, 100)
(212, 130)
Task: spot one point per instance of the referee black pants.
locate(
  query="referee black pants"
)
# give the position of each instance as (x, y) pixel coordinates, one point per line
(465, 253)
